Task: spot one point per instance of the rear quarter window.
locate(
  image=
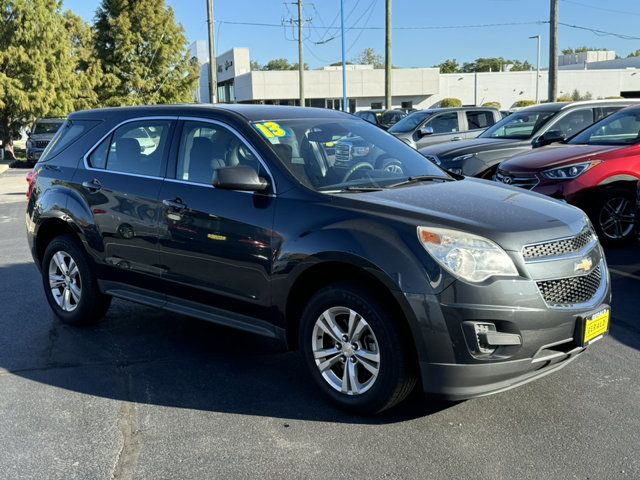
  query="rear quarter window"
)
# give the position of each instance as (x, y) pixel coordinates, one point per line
(69, 132)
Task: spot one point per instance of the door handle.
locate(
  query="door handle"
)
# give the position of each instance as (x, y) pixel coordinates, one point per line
(456, 139)
(175, 204)
(92, 186)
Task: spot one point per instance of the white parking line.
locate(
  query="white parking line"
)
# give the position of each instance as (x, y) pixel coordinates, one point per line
(624, 274)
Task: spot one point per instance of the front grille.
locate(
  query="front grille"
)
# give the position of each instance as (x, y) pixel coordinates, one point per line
(569, 291)
(523, 181)
(559, 247)
(343, 152)
(40, 143)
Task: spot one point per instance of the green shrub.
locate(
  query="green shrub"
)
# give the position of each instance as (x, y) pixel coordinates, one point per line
(450, 102)
(564, 99)
(492, 104)
(524, 103)
(613, 97)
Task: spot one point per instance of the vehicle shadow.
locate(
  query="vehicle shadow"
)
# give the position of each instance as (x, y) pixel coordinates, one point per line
(149, 356)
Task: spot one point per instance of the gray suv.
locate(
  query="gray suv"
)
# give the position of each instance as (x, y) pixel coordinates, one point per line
(40, 135)
(438, 125)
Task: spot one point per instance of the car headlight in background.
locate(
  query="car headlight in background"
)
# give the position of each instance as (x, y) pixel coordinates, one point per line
(569, 172)
(360, 151)
(462, 158)
(468, 257)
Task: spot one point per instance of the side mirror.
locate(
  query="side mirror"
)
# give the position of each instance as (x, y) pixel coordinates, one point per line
(239, 177)
(552, 136)
(424, 131)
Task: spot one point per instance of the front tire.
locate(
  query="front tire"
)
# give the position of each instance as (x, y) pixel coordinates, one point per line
(69, 284)
(614, 216)
(355, 350)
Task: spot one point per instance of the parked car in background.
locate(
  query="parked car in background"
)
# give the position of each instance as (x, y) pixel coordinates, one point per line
(40, 135)
(596, 170)
(382, 118)
(521, 131)
(438, 125)
(385, 280)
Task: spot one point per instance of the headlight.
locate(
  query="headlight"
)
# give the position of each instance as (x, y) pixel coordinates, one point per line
(462, 158)
(572, 171)
(360, 151)
(466, 256)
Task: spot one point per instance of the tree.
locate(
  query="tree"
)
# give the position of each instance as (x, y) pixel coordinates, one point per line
(634, 54)
(491, 64)
(36, 65)
(369, 57)
(255, 66)
(282, 64)
(518, 66)
(87, 68)
(450, 65)
(450, 102)
(584, 48)
(143, 51)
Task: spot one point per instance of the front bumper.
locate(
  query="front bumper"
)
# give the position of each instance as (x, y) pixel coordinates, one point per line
(550, 335)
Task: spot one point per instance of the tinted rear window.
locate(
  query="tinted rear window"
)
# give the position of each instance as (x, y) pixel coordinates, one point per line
(70, 131)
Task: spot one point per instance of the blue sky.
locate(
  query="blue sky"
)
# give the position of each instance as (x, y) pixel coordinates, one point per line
(412, 48)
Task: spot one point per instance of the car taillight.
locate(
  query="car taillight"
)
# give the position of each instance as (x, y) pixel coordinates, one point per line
(31, 180)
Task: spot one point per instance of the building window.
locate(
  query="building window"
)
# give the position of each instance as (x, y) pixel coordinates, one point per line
(407, 105)
(376, 105)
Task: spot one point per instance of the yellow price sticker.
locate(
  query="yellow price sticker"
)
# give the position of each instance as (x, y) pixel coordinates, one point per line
(271, 129)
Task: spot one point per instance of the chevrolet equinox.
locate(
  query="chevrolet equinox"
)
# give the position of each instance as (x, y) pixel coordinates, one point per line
(384, 278)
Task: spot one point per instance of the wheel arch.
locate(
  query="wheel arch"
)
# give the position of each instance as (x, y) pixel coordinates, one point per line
(49, 229)
(321, 274)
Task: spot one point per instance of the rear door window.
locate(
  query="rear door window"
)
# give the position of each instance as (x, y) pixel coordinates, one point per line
(479, 119)
(137, 147)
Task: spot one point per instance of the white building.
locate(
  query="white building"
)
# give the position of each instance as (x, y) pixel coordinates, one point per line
(411, 87)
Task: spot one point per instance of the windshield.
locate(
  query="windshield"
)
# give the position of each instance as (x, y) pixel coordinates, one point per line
(519, 125)
(410, 122)
(622, 128)
(46, 127)
(326, 155)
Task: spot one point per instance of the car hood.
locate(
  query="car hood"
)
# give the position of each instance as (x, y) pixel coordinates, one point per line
(511, 217)
(453, 149)
(553, 156)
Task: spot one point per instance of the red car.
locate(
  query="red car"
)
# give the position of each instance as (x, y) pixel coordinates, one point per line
(597, 170)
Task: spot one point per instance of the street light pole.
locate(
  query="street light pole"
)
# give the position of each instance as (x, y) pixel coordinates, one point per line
(537, 69)
(300, 54)
(345, 106)
(213, 81)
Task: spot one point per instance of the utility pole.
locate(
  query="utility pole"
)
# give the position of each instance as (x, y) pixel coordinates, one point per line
(553, 51)
(537, 69)
(300, 54)
(213, 81)
(387, 56)
(345, 104)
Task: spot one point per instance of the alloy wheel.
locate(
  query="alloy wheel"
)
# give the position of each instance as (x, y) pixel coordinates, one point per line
(346, 351)
(617, 218)
(65, 281)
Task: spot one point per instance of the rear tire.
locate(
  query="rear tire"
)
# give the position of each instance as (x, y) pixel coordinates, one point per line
(614, 216)
(70, 285)
(355, 350)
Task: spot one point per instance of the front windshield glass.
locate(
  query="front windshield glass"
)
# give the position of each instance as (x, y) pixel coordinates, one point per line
(519, 125)
(622, 128)
(326, 155)
(46, 127)
(410, 122)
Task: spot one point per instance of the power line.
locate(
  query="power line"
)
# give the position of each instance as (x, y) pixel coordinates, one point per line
(601, 8)
(600, 33)
(430, 27)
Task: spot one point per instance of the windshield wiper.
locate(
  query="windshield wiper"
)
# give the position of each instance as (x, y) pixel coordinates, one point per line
(421, 178)
(353, 188)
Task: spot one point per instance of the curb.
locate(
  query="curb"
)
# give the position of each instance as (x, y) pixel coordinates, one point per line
(3, 167)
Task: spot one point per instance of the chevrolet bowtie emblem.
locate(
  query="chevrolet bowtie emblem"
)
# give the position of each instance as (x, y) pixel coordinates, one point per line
(583, 265)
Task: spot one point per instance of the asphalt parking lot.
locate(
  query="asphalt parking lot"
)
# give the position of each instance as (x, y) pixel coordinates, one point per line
(149, 394)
